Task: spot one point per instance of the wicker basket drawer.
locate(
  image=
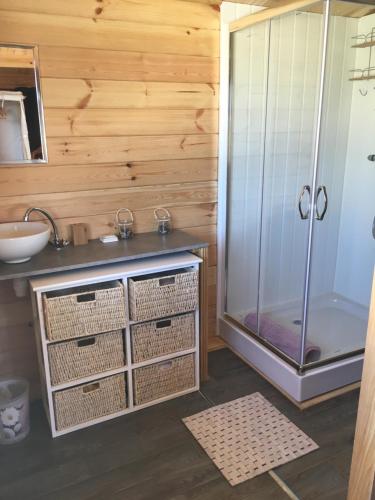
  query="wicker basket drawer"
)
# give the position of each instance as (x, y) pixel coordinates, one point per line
(76, 312)
(87, 356)
(163, 379)
(163, 294)
(89, 401)
(161, 337)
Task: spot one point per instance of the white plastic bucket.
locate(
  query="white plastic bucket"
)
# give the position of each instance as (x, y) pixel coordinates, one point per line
(14, 410)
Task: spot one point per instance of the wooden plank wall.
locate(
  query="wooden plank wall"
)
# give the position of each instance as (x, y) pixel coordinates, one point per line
(130, 90)
(362, 472)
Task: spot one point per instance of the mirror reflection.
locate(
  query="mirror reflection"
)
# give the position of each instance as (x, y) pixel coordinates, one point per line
(22, 137)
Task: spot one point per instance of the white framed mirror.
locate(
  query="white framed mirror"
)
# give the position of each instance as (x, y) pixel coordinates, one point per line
(22, 129)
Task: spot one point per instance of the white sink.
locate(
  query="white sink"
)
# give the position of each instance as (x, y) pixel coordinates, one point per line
(19, 241)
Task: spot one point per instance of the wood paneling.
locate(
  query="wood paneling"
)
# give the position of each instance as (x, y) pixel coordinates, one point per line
(120, 122)
(184, 216)
(85, 93)
(131, 98)
(106, 34)
(88, 150)
(95, 202)
(361, 484)
(31, 180)
(16, 57)
(71, 62)
(158, 12)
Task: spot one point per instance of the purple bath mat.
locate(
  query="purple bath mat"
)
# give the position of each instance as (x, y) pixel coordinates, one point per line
(282, 337)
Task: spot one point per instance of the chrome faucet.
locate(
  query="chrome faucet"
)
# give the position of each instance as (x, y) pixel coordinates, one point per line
(57, 242)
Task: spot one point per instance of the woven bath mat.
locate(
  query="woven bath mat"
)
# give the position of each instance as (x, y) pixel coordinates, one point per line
(248, 436)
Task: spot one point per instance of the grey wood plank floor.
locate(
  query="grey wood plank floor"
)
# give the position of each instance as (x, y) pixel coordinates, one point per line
(150, 455)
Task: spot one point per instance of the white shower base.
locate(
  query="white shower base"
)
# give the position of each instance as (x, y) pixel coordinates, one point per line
(299, 387)
(335, 324)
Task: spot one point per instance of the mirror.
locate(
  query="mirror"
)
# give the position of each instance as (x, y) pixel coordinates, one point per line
(22, 131)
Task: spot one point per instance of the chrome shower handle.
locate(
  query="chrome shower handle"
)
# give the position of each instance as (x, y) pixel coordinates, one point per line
(304, 215)
(320, 215)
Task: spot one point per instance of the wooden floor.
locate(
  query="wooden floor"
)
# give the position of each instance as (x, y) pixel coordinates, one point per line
(150, 455)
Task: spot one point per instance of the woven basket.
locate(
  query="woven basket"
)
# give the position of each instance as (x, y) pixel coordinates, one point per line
(163, 295)
(76, 359)
(163, 379)
(89, 401)
(77, 312)
(166, 336)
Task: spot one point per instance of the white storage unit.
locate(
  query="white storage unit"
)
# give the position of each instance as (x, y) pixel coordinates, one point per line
(91, 374)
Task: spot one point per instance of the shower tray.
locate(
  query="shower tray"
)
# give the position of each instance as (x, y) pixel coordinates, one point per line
(298, 386)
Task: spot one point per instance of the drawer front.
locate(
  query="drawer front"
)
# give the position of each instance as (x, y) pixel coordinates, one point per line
(162, 296)
(166, 336)
(163, 379)
(88, 310)
(87, 356)
(89, 401)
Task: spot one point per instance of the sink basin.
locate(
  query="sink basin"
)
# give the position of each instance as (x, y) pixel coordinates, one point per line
(19, 241)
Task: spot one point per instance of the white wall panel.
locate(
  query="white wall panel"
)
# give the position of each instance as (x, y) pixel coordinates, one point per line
(356, 255)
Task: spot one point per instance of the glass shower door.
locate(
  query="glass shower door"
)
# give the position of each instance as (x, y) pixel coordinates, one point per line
(343, 247)
(249, 66)
(294, 69)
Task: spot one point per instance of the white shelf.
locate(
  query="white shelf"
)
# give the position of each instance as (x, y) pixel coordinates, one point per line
(121, 272)
(114, 272)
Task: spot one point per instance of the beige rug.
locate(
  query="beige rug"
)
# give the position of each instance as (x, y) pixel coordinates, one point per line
(248, 436)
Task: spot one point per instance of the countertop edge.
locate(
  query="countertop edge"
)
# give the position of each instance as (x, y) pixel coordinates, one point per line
(14, 274)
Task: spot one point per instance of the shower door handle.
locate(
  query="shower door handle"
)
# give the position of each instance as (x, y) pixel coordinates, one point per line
(304, 215)
(320, 215)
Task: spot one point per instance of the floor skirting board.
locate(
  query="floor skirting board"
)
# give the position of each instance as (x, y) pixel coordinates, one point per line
(216, 343)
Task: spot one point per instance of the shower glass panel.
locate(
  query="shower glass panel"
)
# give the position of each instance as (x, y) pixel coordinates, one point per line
(300, 237)
(342, 257)
(295, 59)
(245, 167)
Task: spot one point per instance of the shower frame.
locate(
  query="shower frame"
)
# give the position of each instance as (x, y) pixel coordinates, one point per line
(300, 381)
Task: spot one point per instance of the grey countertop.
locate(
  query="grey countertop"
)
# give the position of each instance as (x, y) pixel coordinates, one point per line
(96, 253)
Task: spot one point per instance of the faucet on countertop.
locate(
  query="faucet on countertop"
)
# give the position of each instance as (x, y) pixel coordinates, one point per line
(57, 242)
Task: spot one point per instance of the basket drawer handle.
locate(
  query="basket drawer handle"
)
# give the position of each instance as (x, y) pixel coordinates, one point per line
(86, 342)
(164, 323)
(169, 280)
(86, 297)
(91, 388)
(167, 365)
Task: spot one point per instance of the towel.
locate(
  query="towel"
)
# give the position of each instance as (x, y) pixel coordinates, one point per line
(281, 337)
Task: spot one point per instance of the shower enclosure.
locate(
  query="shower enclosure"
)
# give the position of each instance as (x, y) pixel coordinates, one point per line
(300, 204)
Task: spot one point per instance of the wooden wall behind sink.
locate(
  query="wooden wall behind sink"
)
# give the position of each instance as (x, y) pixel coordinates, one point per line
(130, 91)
